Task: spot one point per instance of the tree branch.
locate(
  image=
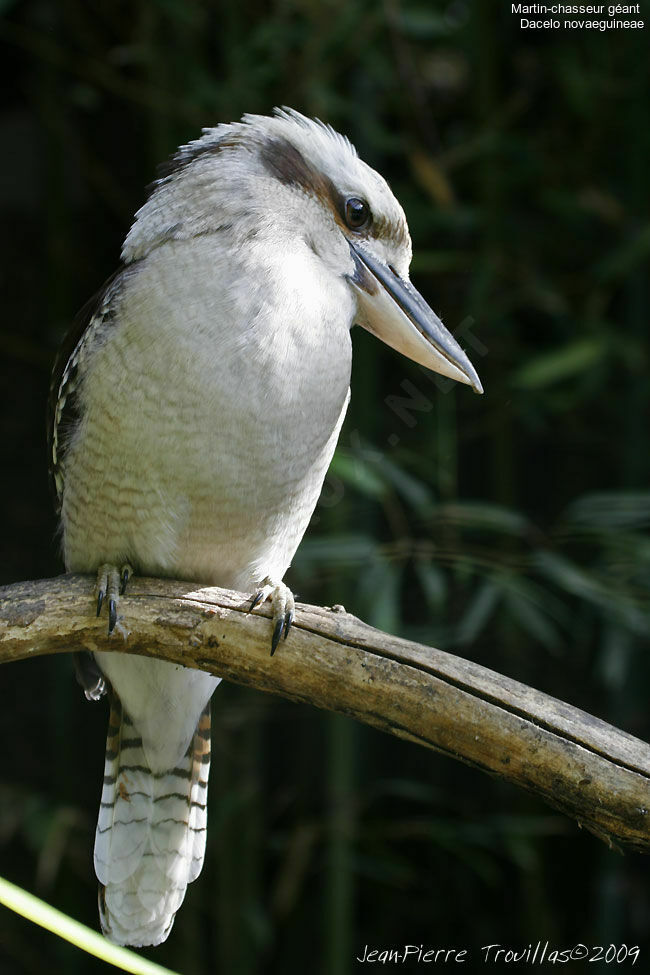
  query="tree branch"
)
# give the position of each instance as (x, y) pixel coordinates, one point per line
(575, 762)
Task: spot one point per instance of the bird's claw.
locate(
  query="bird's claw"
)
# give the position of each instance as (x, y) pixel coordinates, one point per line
(281, 630)
(125, 575)
(283, 608)
(89, 675)
(111, 584)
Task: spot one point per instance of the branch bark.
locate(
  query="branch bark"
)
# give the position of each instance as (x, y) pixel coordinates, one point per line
(582, 766)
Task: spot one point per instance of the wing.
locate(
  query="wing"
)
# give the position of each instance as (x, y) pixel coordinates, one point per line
(62, 407)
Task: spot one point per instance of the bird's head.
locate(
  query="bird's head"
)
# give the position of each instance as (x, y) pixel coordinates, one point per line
(288, 178)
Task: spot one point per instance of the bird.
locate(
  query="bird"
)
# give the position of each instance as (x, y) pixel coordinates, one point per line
(195, 407)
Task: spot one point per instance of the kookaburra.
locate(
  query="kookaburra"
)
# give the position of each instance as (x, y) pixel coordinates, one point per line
(194, 413)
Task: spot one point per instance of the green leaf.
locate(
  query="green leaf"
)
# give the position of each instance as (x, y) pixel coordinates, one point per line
(482, 516)
(611, 510)
(379, 587)
(413, 490)
(562, 363)
(478, 613)
(356, 472)
(532, 621)
(623, 260)
(601, 594)
(424, 24)
(433, 582)
(613, 662)
(341, 549)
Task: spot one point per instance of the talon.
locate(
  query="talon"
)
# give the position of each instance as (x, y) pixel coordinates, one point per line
(88, 675)
(283, 607)
(124, 578)
(288, 620)
(112, 616)
(97, 691)
(277, 635)
(111, 584)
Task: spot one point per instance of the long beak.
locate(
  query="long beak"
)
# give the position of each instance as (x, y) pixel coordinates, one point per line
(395, 312)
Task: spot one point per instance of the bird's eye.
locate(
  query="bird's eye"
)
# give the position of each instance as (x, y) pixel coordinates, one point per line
(357, 213)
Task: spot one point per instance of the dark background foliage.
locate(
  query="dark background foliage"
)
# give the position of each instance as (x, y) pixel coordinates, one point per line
(511, 528)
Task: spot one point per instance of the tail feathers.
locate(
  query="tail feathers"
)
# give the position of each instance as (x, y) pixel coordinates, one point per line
(126, 808)
(150, 839)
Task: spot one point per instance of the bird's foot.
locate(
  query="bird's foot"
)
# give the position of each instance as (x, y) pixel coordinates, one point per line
(284, 608)
(111, 584)
(89, 675)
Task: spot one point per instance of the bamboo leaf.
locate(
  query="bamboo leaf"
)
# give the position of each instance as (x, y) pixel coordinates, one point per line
(433, 582)
(629, 255)
(350, 549)
(579, 582)
(356, 472)
(478, 613)
(482, 516)
(412, 489)
(533, 621)
(562, 363)
(379, 585)
(611, 510)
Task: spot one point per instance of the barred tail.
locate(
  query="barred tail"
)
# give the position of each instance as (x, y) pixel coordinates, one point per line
(151, 832)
